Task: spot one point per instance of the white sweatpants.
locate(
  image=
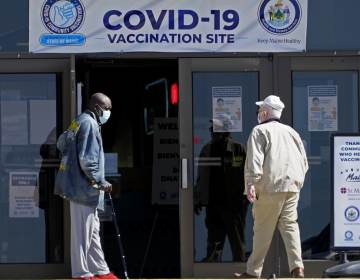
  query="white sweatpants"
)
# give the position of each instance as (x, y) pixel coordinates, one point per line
(87, 256)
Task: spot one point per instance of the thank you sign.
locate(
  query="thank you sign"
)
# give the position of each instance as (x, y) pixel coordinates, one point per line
(346, 191)
(85, 26)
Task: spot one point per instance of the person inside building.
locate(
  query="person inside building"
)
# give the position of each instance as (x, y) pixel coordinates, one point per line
(220, 188)
(275, 169)
(81, 180)
(47, 201)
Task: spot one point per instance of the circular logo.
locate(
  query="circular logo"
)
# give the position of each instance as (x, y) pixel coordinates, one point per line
(279, 16)
(349, 235)
(63, 16)
(352, 213)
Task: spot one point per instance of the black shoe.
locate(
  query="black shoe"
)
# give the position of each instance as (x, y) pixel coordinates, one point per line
(244, 275)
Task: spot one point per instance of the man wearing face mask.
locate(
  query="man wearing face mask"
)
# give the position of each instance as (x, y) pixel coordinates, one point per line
(81, 180)
(275, 170)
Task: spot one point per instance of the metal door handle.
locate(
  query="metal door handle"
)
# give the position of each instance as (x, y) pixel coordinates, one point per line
(184, 173)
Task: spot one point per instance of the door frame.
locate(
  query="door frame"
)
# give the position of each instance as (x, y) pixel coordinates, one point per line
(30, 64)
(260, 64)
(285, 65)
(278, 69)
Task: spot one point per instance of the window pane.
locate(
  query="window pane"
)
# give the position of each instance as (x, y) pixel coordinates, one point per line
(30, 215)
(323, 103)
(14, 28)
(224, 114)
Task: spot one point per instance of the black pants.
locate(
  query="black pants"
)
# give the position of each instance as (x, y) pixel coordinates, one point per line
(222, 222)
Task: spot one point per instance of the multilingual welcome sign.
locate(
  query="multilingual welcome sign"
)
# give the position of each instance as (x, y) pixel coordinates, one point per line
(86, 26)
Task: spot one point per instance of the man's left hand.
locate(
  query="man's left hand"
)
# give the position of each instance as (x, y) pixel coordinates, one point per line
(106, 186)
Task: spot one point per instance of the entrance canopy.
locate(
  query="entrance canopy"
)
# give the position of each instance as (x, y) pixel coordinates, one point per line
(87, 26)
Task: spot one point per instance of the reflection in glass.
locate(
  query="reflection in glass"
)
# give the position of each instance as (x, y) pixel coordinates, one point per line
(222, 122)
(31, 216)
(220, 188)
(329, 102)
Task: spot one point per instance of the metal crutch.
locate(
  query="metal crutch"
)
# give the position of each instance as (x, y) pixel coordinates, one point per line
(118, 237)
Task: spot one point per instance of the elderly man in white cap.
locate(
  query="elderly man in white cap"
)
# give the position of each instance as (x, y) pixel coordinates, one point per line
(275, 170)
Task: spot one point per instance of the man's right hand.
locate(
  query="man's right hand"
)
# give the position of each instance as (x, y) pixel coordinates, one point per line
(104, 186)
(251, 194)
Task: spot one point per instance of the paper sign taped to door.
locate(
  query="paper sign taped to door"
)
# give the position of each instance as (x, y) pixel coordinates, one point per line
(227, 109)
(23, 194)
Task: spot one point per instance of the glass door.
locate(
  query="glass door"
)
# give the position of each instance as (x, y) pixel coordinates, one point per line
(217, 108)
(325, 100)
(217, 113)
(33, 234)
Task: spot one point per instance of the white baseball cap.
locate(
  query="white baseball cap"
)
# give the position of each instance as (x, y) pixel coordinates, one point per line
(272, 101)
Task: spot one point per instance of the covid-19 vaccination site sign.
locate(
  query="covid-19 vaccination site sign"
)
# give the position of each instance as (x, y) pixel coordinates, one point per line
(86, 26)
(346, 191)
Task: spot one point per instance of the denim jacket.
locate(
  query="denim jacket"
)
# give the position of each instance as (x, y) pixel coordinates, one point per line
(82, 162)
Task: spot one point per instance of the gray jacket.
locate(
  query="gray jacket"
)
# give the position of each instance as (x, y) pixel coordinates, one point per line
(82, 162)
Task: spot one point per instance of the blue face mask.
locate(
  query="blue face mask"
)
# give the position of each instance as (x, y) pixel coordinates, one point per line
(105, 116)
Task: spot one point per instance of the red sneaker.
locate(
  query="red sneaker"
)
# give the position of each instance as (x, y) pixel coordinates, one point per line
(106, 276)
(85, 278)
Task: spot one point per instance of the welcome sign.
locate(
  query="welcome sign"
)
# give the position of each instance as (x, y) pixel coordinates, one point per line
(86, 26)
